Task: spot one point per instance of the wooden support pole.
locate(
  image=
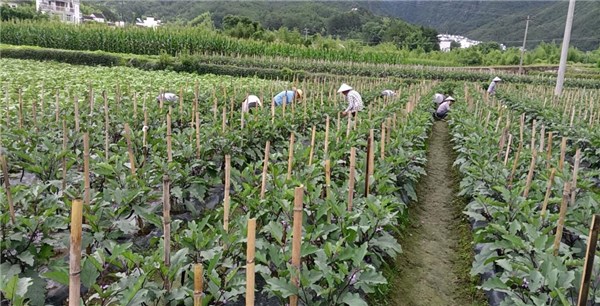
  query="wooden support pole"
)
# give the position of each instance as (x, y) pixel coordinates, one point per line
(263, 186)
(575, 171)
(312, 145)
(250, 262)
(5, 174)
(548, 192)
(75, 253)
(507, 149)
(227, 187)
(369, 164)
(549, 150)
(290, 156)
(561, 218)
(563, 150)
(224, 120)
(64, 159)
(351, 178)
(197, 123)
(169, 148)
(530, 173)
(382, 140)
(106, 141)
(57, 106)
(86, 169)
(327, 177)
(297, 240)
(198, 283)
(130, 148)
(326, 135)
(588, 267)
(167, 223)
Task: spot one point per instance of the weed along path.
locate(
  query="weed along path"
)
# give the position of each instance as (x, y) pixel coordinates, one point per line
(428, 270)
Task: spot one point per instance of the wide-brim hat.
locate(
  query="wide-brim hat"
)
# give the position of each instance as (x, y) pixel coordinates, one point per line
(344, 87)
(299, 92)
(497, 79)
(449, 98)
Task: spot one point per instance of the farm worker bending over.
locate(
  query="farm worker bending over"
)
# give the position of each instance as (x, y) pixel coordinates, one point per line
(387, 93)
(288, 95)
(438, 98)
(444, 108)
(355, 103)
(168, 96)
(492, 88)
(251, 101)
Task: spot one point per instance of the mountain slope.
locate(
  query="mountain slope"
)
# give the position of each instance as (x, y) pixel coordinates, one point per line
(501, 21)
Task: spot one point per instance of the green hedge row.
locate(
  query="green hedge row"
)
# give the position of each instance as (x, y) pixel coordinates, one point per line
(273, 68)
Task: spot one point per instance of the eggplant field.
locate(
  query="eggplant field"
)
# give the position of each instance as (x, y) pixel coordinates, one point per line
(112, 196)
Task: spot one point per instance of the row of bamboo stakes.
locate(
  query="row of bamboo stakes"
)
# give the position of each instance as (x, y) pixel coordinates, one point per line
(569, 187)
(77, 205)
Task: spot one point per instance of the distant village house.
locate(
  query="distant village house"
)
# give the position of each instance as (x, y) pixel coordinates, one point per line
(149, 22)
(66, 10)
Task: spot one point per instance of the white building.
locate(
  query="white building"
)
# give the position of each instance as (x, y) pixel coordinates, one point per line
(67, 10)
(149, 22)
(446, 40)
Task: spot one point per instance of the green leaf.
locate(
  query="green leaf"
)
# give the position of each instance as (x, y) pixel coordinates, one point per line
(89, 273)
(494, 283)
(352, 299)
(17, 287)
(282, 286)
(61, 276)
(26, 257)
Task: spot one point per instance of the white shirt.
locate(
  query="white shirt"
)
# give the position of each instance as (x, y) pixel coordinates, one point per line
(388, 93)
(252, 99)
(443, 108)
(355, 103)
(492, 89)
(438, 98)
(168, 96)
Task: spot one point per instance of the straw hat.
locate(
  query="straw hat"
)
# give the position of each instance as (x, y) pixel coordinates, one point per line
(497, 79)
(344, 87)
(450, 99)
(299, 92)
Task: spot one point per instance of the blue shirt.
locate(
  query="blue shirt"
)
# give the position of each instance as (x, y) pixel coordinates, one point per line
(289, 94)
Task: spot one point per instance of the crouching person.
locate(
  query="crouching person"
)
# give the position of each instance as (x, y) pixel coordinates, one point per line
(251, 102)
(444, 108)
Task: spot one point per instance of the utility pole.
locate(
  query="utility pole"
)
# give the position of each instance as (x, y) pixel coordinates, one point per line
(523, 48)
(562, 67)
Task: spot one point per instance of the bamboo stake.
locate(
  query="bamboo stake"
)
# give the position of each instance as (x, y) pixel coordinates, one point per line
(548, 192)
(533, 130)
(167, 223)
(326, 135)
(290, 156)
(6, 103)
(64, 159)
(226, 198)
(312, 145)
(369, 164)
(76, 111)
(169, 134)
(105, 125)
(130, 148)
(575, 170)
(135, 102)
(549, 150)
(561, 219)
(296, 240)
(327, 177)
(34, 111)
(145, 129)
(588, 267)
(263, 186)
(250, 262)
(197, 134)
(351, 179)
(86, 169)
(75, 253)
(530, 173)
(507, 149)
(563, 149)
(272, 111)
(90, 98)
(198, 284)
(542, 138)
(11, 207)
(382, 141)
(224, 120)
(57, 105)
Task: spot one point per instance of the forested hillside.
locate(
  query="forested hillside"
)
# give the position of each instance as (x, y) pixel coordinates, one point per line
(501, 21)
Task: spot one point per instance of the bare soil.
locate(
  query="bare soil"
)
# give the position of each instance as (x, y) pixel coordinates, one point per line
(432, 268)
